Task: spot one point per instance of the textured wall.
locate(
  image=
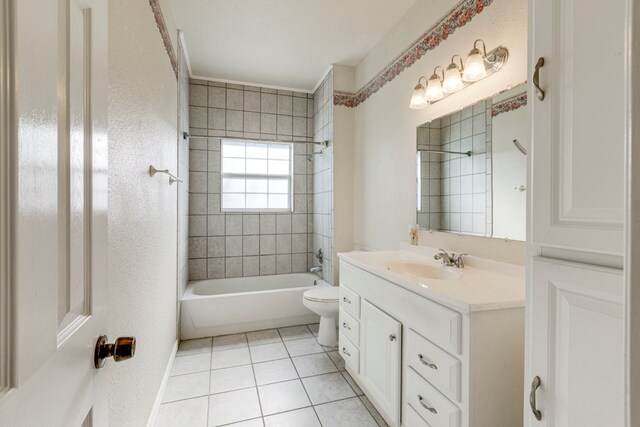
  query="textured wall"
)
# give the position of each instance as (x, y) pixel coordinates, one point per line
(183, 172)
(247, 244)
(142, 210)
(385, 127)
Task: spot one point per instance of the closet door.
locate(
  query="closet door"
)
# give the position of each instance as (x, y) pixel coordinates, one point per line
(577, 346)
(578, 129)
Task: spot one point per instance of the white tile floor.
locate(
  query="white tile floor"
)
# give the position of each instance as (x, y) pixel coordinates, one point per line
(273, 378)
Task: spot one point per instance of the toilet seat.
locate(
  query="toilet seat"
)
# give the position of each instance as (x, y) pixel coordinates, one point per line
(326, 294)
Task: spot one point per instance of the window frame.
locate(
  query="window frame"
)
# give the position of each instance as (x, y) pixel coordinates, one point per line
(289, 177)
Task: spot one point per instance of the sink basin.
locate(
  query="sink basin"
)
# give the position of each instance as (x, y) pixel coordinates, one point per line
(422, 270)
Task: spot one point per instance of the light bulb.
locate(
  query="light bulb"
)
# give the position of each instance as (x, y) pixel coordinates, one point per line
(434, 89)
(418, 100)
(452, 79)
(474, 69)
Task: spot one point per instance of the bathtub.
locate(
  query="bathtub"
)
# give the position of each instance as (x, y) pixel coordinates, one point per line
(228, 306)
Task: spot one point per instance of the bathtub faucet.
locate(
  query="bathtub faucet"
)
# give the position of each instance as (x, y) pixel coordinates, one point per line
(316, 270)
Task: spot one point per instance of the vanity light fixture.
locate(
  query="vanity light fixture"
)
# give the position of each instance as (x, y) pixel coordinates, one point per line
(418, 101)
(453, 76)
(456, 77)
(475, 69)
(434, 90)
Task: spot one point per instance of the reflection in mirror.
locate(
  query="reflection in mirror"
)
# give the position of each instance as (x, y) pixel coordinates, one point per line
(472, 168)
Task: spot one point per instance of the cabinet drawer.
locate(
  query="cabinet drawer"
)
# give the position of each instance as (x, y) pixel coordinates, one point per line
(350, 302)
(435, 408)
(350, 327)
(349, 353)
(412, 419)
(436, 365)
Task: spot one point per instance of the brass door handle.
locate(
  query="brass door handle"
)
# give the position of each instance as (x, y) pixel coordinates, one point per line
(123, 349)
(536, 79)
(532, 398)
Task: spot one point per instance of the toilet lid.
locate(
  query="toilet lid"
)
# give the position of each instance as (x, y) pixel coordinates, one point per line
(323, 294)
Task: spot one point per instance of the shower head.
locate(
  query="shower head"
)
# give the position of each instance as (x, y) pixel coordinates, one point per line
(520, 147)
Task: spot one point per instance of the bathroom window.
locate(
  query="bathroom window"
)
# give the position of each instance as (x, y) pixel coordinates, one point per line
(256, 176)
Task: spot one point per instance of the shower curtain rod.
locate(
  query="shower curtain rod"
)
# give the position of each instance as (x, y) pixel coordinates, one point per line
(466, 153)
(187, 135)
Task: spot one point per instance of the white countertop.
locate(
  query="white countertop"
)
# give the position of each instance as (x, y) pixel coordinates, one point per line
(483, 285)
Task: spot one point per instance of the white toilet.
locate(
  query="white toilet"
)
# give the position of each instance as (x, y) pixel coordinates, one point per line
(323, 300)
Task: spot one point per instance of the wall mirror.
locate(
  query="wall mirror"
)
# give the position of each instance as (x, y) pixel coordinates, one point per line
(472, 168)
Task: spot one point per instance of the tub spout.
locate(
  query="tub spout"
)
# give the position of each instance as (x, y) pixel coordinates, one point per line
(316, 270)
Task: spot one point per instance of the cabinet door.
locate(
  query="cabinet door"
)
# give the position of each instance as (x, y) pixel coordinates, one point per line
(578, 130)
(577, 345)
(380, 348)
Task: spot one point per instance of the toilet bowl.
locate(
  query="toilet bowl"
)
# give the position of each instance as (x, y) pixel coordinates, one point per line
(323, 300)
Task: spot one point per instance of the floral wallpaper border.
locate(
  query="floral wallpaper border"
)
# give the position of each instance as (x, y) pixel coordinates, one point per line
(164, 33)
(457, 17)
(509, 104)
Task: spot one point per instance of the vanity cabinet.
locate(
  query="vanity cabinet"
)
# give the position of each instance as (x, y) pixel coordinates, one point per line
(422, 363)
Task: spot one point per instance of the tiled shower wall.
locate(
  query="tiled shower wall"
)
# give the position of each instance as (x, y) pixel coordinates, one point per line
(456, 189)
(247, 244)
(323, 176)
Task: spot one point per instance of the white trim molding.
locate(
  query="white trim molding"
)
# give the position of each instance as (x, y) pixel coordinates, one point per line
(183, 46)
(632, 219)
(167, 372)
(7, 195)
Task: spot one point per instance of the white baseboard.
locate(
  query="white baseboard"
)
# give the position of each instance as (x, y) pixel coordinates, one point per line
(163, 385)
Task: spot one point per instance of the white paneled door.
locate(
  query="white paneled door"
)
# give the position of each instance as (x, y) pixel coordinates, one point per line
(380, 352)
(577, 345)
(54, 211)
(577, 186)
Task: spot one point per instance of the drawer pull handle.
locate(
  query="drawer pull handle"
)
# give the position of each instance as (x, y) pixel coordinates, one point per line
(344, 325)
(425, 363)
(347, 300)
(392, 337)
(344, 350)
(532, 398)
(425, 406)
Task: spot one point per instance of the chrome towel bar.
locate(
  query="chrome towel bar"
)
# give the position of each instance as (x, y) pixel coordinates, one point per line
(172, 177)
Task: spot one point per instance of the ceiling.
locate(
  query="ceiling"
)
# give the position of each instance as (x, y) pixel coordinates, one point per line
(283, 43)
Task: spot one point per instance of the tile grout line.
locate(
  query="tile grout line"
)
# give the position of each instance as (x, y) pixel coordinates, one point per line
(255, 380)
(326, 350)
(305, 388)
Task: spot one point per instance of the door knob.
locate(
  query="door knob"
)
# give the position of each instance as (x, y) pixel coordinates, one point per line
(124, 348)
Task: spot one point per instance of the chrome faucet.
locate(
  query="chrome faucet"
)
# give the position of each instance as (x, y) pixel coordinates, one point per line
(316, 270)
(449, 260)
